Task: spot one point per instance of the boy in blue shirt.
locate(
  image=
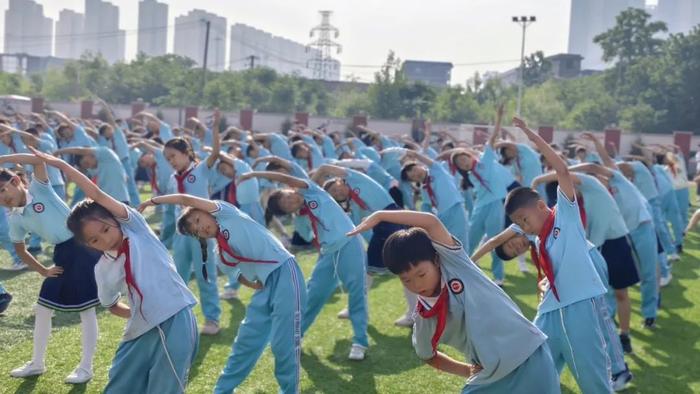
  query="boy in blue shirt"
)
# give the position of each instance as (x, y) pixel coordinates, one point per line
(568, 312)
(459, 306)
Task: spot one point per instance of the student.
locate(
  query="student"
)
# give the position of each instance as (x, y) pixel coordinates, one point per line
(160, 340)
(5, 299)
(70, 283)
(104, 165)
(360, 196)
(340, 257)
(439, 191)
(459, 306)
(192, 177)
(512, 242)
(568, 313)
(638, 217)
(261, 261)
(308, 155)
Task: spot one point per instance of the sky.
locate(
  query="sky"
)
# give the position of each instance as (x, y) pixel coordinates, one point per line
(475, 35)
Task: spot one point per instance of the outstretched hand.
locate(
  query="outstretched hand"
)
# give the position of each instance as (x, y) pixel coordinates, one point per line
(367, 224)
(148, 203)
(45, 157)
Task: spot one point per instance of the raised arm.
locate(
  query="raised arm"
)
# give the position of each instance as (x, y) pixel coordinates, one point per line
(62, 117)
(23, 134)
(108, 112)
(328, 170)
(74, 151)
(600, 149)
(429, 222)
(493, 243)
(180, 199)
(497, 128)
(411, 154)
(27, 159)
(566, 184)
(426, 138)
(91, 190)
(286, 164)
(276, 177)
(215, 140)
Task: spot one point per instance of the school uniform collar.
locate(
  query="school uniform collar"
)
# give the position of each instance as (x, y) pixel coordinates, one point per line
(20, 210)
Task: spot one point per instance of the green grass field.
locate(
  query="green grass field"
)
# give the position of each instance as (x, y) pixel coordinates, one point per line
(665, 360)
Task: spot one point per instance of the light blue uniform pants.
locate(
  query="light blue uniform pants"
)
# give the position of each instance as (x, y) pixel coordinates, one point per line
(187, 255)
(644, 246)
(576, 340)
(456, 220)
(661, 227)
(134, 197)
(273, 316)
(488, 219)
(5, 236)
(157, 361)
(683, 200)
(167, 224)
(349, 264)
(669, 206)
(612, 341)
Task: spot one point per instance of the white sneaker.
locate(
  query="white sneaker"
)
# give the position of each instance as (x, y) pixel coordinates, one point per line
(78, 376)
(27, 370)
(522, 265)
(499, 282)
(357, 352)
(665, 280)
(229, 294)
(674, 257)
(404, 321)
(344, 314)
(18, 267)
(210, 328)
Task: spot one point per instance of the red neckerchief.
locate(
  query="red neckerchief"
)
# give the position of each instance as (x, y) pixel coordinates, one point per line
(310, 162)
(225, 247)
(581, 209)
(428, 187)
(154, 181)
(231, 196)
(478, 176)
(356, 198)
(438, 310)
(181, 180)
(541, 258)
(128, 274)
(306, 211)
(452, 166)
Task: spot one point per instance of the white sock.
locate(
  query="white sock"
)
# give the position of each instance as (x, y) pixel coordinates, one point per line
(522, 265)
(411, 300)
(88, 324)
(42, 331)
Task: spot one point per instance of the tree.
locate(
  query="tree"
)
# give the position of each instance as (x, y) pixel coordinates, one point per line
(632, 37)
(536, 69)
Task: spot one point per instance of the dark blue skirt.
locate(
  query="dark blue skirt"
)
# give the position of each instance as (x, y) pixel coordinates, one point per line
(622, 269)
(75, 289)
(380, 233)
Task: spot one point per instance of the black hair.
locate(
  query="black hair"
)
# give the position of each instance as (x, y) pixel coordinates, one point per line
(86, 209)
(406, 168)
(330, 182)
(448, 145)
(660, 159)
(520, 197)
(6, 175)
(295, 139)
(504, 159)
(551, 192)
(249, 149)
(183, 228)
(466, 183)
(158, 140)
(295, 149)
(32, 130)
(405, 248)
(181, 145)
(273, 204)
(61, 128)
(103, 129)
(501, 253)
(273, 166)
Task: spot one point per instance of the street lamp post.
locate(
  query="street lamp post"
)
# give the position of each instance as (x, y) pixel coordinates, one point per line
(524, 22)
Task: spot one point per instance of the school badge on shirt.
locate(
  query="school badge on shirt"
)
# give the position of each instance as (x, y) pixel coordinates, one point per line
(191, 178)
(226, 234)
(555, 232)
(38, 207)
(456, 286)
(313, 204)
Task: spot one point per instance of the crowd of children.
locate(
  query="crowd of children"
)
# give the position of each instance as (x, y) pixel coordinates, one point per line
(595, 224)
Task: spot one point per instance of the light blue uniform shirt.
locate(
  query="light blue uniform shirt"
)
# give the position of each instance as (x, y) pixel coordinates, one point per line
(380, 175)
(575, 276)
(443, 185)
(328, 147)
(663, 181)
(111, 177)
(391, 161)
(164, 171)
(165, 132)
(164, 291)
(644, 180)
(490, 173)
(483, 323)
(280, 147)
(630, 201)
(369, 153)
(604, 220)
(196, 183)
(44, 215)
(374, 196)
(247, 192)
(250, 239)
(528, 164)
(54, 174)
(334, 222)
(80, 139)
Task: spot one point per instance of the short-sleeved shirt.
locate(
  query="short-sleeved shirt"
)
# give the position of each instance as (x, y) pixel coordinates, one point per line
(44, 215)
(164, 291)
(54, 174)
(165, 132)
(334, 222)
(391, 161)
(443, 185)
(251, 240)
(372, 193)
(482, 322)
(663, 181)
(328, 148)
(528, 164)
(630, 201)
(380, 175)
(575, 276)
(164, 171)
(111, 177)
(279, 147)
(603, 217)
(644, 180)
(493, 188)
(196, 183)
(247, 191)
